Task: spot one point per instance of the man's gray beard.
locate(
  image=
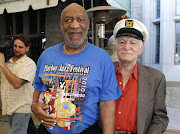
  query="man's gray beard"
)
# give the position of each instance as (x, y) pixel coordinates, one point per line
(75, 45)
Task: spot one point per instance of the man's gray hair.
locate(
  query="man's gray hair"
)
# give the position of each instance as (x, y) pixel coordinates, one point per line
(141, 43)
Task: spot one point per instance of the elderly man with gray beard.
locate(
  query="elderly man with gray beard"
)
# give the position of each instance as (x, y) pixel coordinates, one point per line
(77, 80)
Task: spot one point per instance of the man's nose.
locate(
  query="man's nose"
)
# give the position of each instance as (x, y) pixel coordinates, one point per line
(127, 45)
(17, 48)
(74, 24)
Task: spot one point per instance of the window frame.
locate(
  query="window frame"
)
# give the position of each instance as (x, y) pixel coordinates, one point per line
(175, 51)
(158, 9)
(177, 13)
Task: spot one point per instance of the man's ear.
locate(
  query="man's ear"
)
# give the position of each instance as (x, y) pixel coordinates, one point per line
(141, 49)
(60, 23)
(27, 48)
(88, 24)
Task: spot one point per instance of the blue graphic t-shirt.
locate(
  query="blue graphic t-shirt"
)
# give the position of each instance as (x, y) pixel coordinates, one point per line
(74, 84)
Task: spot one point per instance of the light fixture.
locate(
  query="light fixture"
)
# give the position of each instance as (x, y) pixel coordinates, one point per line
(101, 15)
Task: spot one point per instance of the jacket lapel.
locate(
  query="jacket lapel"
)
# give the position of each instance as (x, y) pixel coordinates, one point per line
(143, 95)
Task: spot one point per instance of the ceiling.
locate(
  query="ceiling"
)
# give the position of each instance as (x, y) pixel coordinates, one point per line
(13, 6)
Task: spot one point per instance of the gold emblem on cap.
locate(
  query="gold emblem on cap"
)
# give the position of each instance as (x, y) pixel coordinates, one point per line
(129, 23)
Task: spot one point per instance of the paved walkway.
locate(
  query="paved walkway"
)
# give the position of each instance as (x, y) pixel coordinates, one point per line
(174, 119)
(4, 126)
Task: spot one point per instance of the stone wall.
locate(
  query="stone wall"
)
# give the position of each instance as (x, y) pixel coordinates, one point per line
(173, 94)
(173, 105)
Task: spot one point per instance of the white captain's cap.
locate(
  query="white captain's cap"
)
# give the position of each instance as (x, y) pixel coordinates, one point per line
(132, 28)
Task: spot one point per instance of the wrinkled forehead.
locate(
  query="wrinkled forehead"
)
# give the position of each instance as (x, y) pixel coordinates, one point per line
(74, 16)
(74, 11)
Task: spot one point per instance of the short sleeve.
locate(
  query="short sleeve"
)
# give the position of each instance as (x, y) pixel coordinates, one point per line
(27, 71)
(110, 89)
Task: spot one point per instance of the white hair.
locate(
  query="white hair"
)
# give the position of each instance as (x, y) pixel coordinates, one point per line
(141, 43)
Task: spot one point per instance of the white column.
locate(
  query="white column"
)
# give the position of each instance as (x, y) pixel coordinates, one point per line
(167, 35)
(147, 12)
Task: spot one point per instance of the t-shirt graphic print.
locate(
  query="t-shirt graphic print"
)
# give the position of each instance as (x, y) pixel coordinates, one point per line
(65, 91)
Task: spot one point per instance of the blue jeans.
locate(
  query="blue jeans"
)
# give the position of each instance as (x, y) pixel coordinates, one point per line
(19, 122)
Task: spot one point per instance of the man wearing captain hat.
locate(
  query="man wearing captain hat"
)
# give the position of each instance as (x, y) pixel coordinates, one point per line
(141, 109)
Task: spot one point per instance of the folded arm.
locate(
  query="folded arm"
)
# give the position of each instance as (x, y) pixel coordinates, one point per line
(15, 81)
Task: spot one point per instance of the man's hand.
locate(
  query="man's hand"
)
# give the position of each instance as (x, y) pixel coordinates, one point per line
(41, 98)
(46, 119)
(38, 108)
(2, 59)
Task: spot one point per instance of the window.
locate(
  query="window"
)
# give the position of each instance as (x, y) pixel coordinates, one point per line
(157, 47)
(19, 22)
(178, 7)
(177, 50)
(32, 21)
(158, 9)
(42, 21)
(9, 23)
